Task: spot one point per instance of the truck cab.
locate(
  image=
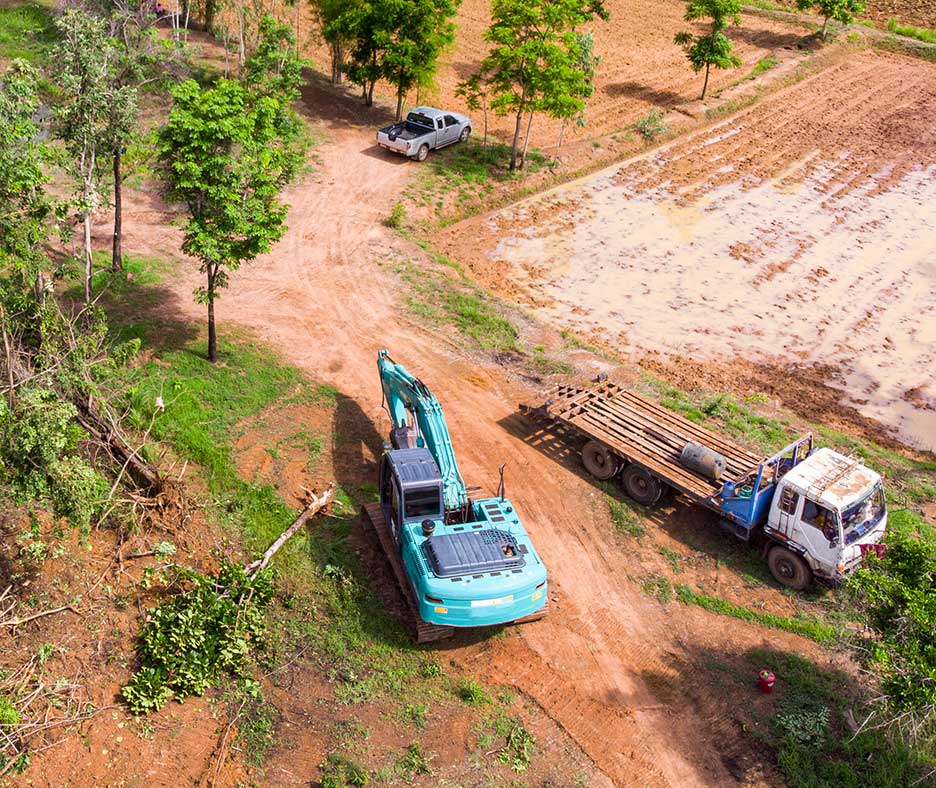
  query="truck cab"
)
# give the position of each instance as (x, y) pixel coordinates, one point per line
(824, 510)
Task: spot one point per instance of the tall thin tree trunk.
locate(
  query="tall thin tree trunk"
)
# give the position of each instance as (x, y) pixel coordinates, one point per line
(117, 253)
(516, 141)
(705, 84)
(241, 43)
(825, 24)
(399, 104)
(210, 9)
(88, 256)
(526, 141)
(11, 393)
(484, 141)
(212, 336)
(370, 94)
(562, 129)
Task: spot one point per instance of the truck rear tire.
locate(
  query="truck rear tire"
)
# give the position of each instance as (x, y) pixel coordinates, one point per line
(599, 461)
(641, 485)
(788, 568)
(422, 153)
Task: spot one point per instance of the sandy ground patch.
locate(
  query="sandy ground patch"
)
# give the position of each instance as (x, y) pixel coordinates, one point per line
(801, 229)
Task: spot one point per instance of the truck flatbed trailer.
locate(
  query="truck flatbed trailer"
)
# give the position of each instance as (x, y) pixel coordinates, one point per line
(641, 431)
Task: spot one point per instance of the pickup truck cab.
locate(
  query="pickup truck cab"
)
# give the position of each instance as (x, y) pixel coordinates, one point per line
(424, 129)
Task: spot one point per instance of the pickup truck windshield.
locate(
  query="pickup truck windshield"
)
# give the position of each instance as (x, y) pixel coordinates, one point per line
(861, 516)
(418, 119)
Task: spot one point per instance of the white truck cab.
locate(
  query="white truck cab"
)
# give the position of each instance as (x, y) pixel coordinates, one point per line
(823, 510)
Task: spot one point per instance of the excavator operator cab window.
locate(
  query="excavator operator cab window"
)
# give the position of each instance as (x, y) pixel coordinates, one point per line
(423, 502)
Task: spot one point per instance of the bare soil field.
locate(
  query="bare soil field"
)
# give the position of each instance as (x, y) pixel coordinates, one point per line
(800, 230)
(641, 68)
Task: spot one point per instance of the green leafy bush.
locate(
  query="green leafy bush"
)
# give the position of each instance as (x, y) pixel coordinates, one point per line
(201, 633)
(651, 126)
(896, 597)
(38, 460)
(8, 713)
(473, 692)
(340, 772)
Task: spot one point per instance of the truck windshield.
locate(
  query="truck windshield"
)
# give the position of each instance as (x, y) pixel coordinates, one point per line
(424, 502)
(418, 119)
(862, 516)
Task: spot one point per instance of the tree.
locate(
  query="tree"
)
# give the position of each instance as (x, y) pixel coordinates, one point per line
(533, 63)
(26, 212)
(843, 11)
(139, 61)
(334, 21)
(90, 101)
(225, 157)
(419, 31)
(896, 597)
(474, 92)
(714, 49)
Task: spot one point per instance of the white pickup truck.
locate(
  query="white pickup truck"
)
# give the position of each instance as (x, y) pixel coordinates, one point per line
(423, 130)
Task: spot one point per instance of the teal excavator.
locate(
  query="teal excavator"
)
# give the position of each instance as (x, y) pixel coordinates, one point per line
(461, 561)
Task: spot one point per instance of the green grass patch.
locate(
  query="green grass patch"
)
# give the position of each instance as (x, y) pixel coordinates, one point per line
(919, 33)
(27, 32)
(624, 517)
(659, 587)
(473, 692)
(814, 746)
(764, 64)
(806, 626)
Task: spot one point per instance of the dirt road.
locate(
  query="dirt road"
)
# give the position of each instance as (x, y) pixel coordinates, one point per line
(799, 231)
(607, 664)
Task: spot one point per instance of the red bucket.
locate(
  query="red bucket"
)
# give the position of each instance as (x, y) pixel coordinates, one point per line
(765, 681)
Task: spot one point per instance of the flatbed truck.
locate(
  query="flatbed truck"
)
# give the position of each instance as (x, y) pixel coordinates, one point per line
(815, 511)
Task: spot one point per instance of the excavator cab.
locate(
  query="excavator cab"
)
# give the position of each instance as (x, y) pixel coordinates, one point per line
(410, 488)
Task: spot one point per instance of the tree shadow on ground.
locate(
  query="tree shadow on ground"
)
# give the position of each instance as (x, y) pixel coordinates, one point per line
(640, 92)
(765, 39)
(339, 107)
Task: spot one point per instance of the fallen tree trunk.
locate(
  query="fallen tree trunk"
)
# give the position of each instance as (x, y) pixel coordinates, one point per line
(316, 504)
(144, 474)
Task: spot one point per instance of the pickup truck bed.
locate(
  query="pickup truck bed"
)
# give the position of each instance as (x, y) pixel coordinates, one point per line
(644, 432)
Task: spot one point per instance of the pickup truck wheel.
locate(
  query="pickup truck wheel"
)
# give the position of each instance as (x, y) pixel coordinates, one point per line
(466, 132)
(599, 461)
(422, 153)
(788, 568)
(641, 485)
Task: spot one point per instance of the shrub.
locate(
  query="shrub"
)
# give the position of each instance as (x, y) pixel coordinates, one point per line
(652, 126)
(203, 632)
(38, 460)
(340, 772)
(397, 217)
(473, 692)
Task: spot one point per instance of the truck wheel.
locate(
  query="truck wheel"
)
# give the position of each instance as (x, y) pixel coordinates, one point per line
(599, 461)
(788, 568)
(641, 485)
(466, 132)
(422, 153)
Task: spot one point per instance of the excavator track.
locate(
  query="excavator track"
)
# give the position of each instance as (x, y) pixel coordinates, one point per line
(424, 631)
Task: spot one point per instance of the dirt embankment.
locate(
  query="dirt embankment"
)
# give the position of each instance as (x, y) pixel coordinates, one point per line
(797, 230)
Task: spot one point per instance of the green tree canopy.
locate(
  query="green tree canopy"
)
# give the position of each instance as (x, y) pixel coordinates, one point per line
(715, 48)
(896, 597)
(535, 61)
(26, 212)
(225, 158)
(843, 11)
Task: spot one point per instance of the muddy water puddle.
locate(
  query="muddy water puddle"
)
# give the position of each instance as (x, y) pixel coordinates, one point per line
(782, 268)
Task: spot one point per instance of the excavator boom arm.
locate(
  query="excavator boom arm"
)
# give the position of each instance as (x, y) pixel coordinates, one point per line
(412, 404)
